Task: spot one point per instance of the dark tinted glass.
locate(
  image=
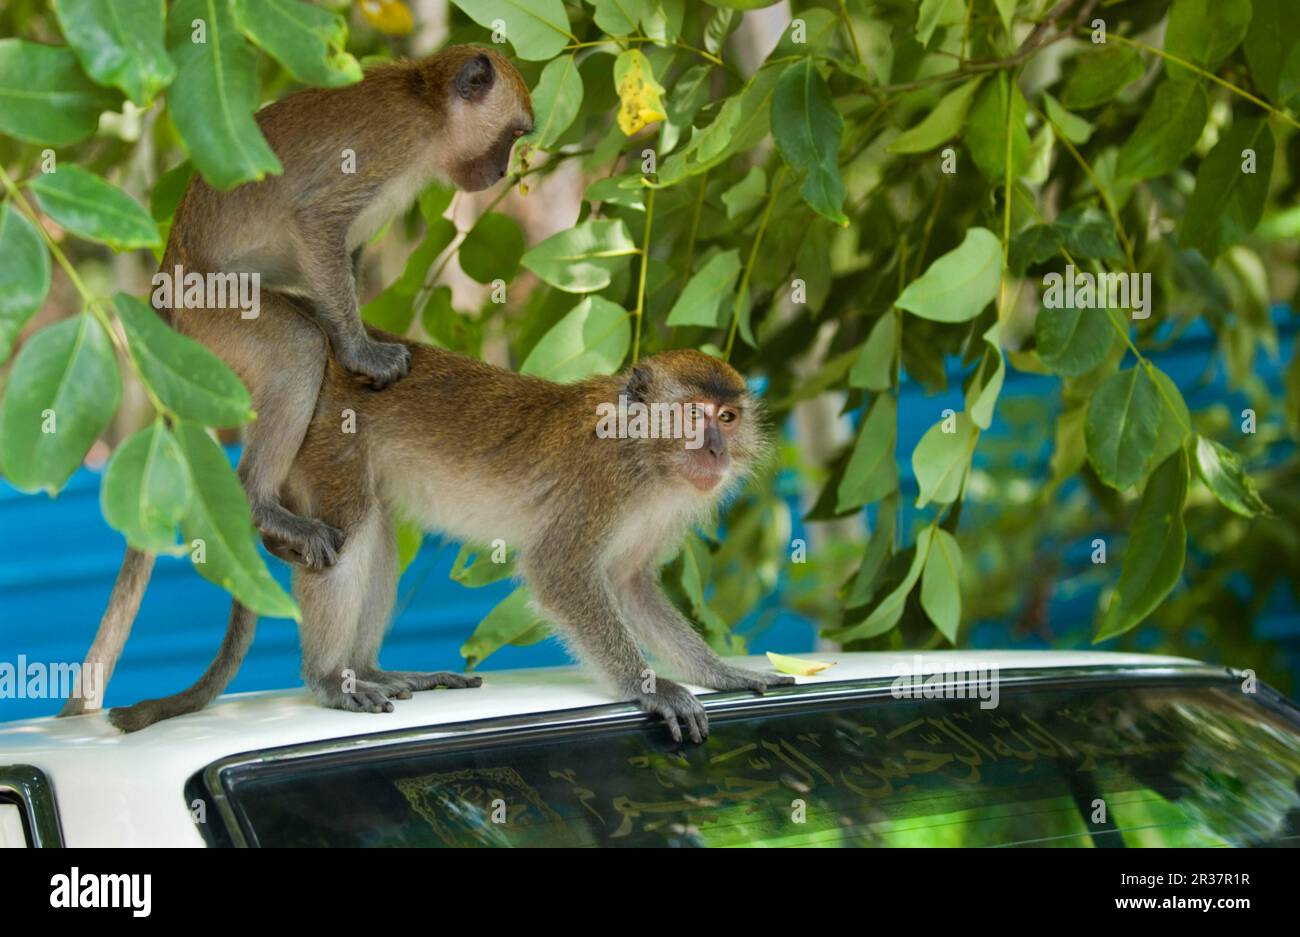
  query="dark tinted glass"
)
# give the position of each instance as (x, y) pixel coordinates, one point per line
(1163, 765)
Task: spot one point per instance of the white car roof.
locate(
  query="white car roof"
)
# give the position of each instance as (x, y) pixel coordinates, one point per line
(116, 789)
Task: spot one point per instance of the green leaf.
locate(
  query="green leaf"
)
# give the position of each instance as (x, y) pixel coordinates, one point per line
(409, 537)
(1073, 127)
(1157, 548)
(941, 584)
(44, 97)
(169, 190)
(190, 380)
(1204, 32)
(119, 43)
(872, 471)
(1088, 232)
(1227, 203)
(939, 460)
(984, 390)
(1101, 74)
(61, 393)
(960, 283)
(935, 13)
(1221, 470)
(584, 258)
(886, 615)
(880, 547)
(219, 517)
(538, 29)
(618, 17)
(807, 130)
(556, 101)
(215, 94)
(687, 95)
(743, 120)
(987, 127)
(1073, 341)
(701, 300)
(510, 620)
(1272, 50)
(492, 248)
(94, 209)
(593, 338)
(1123, 420)
(308, 41)
(24, 275)
(1168, 130)
(146, 489)
(940, 125)
(474, 566)
(747, 194)
(1175, 421)
(874, 366)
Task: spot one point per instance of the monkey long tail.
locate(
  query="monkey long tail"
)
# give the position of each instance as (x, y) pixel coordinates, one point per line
(114, 628)
(239, 635)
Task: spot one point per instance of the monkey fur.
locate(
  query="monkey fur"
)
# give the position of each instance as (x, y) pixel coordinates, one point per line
(452, 117)
(479, 453)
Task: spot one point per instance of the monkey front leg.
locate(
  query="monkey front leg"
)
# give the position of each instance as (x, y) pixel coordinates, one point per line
(657, 622)
(579, 602)
(328, 268)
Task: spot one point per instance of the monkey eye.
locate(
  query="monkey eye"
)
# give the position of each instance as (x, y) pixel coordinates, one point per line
(727, 416)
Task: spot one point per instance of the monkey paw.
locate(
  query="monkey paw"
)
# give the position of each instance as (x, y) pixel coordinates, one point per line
(678, 706)
(737, 678)
(383, 363)
(400, 684)
(305, 541)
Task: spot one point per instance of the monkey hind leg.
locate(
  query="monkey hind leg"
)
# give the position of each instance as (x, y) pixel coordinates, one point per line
(239, 635)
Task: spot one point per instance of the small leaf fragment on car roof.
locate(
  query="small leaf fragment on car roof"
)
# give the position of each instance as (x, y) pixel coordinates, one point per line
(796, 665)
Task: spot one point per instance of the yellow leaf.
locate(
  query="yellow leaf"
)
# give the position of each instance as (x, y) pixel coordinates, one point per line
(796, 666)
(638, 92)
(391, 17)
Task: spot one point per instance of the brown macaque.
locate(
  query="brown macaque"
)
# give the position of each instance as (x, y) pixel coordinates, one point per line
(352, 159)
(594, 508)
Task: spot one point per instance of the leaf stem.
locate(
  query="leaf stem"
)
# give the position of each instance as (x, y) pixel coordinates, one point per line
(777, 182)
(645, 263)
(1241, 92)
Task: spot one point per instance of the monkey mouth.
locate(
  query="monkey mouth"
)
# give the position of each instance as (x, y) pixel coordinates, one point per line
(704, 481)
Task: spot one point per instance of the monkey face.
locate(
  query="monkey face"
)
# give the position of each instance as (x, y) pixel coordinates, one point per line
(491, 110)
(721, 436)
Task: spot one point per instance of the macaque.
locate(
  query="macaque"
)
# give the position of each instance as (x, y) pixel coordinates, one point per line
(353, 158)
(479, 453)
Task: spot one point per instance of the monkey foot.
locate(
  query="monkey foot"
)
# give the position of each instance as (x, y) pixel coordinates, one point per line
(304, 541)
(400, 684)
(737, 678)
(360, 696)
(678, 707)
(382, 363)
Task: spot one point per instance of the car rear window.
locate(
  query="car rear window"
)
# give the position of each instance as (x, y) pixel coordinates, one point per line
(1176, 765)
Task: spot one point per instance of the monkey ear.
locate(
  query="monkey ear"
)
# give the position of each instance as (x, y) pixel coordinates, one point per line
(638, 385)
(475, 78)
